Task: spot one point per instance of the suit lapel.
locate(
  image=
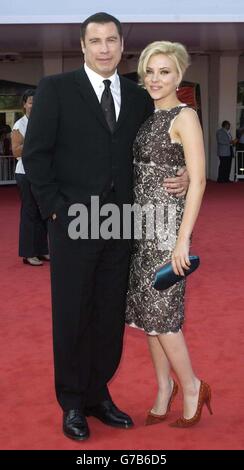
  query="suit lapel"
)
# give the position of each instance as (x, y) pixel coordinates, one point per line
(87, 92)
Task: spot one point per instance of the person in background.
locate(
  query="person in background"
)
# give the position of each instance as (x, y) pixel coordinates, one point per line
(240, 140)
(33, 243)
(240, 147)
(225, 152)
(5, 140)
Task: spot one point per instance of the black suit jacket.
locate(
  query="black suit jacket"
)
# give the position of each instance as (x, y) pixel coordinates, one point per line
(69, 151)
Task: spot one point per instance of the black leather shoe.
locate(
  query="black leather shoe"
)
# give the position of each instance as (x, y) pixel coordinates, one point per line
(109, 414)
(75, 425)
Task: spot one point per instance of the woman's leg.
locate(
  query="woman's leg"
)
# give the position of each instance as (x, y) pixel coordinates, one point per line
(175, 348)
(162, 370)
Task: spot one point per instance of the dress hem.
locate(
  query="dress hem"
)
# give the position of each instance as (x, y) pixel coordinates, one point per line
(153, 332)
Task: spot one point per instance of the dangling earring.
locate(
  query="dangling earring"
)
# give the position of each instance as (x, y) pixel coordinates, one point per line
(177, 88)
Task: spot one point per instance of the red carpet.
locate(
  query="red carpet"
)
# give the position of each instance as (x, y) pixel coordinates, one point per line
(30, 417)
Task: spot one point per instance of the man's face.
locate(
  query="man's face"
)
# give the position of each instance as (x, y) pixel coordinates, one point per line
(102, 48)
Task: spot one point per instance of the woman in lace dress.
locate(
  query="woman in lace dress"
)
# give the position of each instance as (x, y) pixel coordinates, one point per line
(170, 139)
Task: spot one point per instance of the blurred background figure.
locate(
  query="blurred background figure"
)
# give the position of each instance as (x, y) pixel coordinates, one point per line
(5, 140)
(225, 151)
(240, 135)
(33, 245)
(240, 148)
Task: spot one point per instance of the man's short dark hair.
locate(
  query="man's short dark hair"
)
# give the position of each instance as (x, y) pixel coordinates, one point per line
(100, 18)
(225, 123)
(27, 93)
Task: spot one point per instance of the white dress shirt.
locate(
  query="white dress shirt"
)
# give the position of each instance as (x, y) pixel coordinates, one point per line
(98, 86)
(229, 134)
(21, 126)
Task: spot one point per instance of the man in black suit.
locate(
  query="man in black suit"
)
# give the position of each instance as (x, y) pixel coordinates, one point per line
(74, 150)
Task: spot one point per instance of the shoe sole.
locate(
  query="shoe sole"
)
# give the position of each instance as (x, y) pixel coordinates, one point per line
(126, 426)
(31, 264)
(76, 438)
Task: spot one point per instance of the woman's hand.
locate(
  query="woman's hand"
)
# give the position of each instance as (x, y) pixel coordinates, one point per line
(180, 257)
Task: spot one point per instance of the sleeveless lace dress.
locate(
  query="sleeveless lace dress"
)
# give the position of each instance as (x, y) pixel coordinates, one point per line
(155, 158)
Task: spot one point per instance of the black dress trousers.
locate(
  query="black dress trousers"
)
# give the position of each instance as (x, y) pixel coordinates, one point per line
(89, 285)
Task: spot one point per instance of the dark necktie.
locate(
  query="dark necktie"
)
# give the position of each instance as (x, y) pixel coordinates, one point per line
(107, 103)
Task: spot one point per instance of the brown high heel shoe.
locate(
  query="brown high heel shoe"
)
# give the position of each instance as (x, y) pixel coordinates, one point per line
(152, 418)
(204, 398)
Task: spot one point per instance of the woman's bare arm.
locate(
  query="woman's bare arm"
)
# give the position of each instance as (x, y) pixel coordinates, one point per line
(188, 128)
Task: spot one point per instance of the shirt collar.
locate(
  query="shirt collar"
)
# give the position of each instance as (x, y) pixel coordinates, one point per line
(97, 80)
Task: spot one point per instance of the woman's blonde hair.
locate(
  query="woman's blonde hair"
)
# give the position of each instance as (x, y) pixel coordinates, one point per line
(174, 50)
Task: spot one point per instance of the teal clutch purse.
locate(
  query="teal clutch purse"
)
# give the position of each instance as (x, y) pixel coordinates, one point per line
(165, 276)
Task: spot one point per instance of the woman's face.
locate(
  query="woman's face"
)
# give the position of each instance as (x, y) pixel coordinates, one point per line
(162, 77)
(28, 105)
